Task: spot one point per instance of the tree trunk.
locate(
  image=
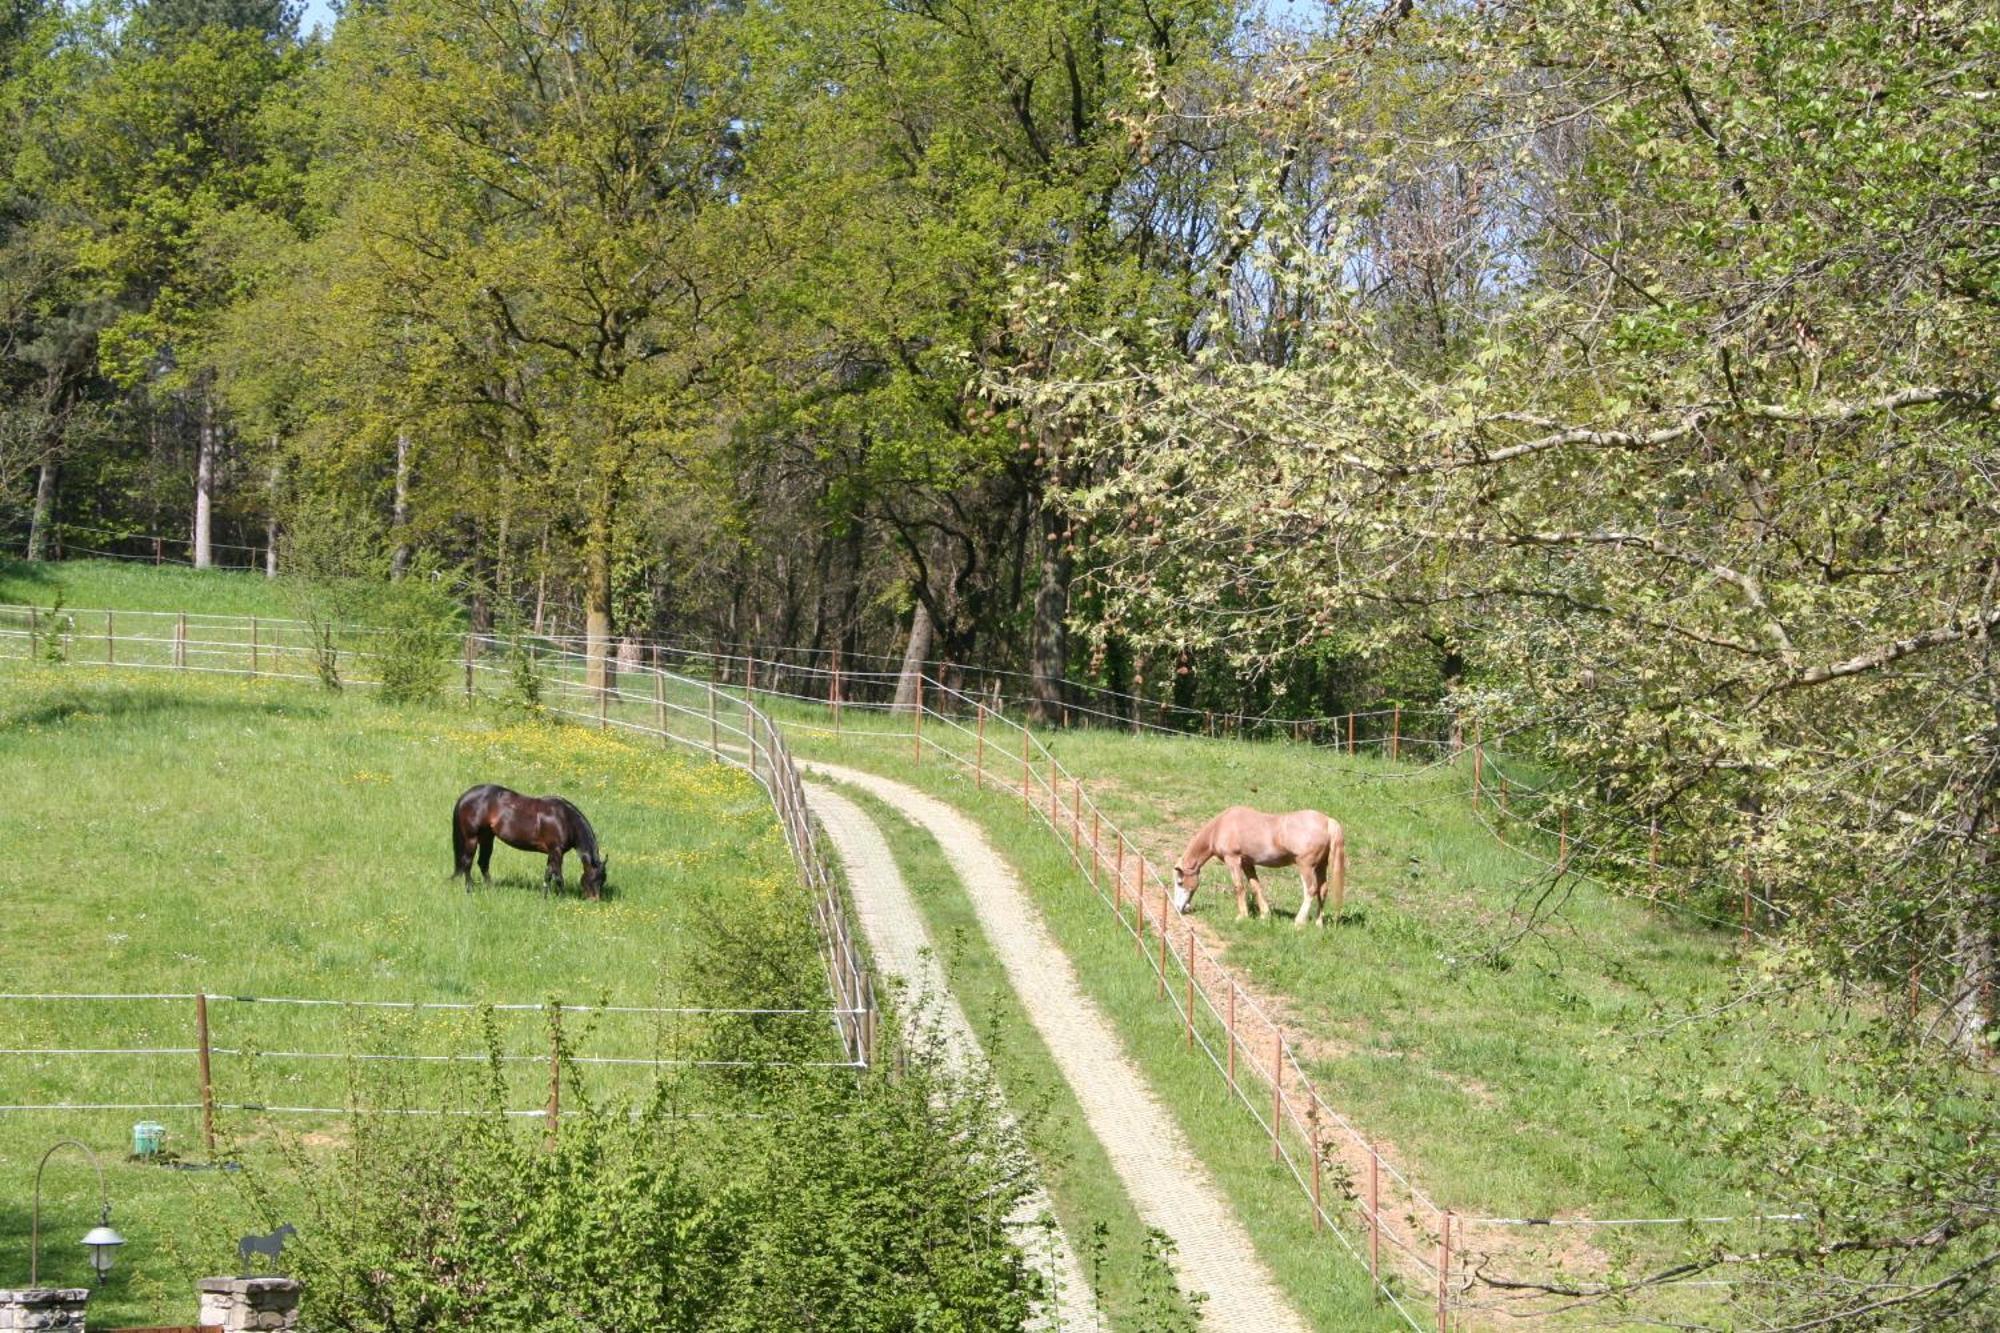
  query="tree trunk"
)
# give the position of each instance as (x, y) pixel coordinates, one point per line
(597, 605)
(1048, 653)
(399, 513)
(204, 484)
(914, 656)
(44, 513)
(271, 514)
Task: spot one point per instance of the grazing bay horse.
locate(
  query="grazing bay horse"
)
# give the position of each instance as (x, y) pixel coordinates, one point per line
(546, 824)
(1244, 839)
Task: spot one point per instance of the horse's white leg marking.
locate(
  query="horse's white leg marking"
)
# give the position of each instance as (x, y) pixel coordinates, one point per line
(1311, 890)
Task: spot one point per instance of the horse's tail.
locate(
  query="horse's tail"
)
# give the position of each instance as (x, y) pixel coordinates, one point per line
(1336, 864)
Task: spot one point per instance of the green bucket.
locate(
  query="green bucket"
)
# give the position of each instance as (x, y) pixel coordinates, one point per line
(146, 1137)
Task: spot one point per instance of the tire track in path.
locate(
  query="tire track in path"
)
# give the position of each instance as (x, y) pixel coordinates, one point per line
(1167, 1183)
(894, 928)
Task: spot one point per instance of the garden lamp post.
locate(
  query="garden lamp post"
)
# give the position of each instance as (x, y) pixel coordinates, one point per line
(102, 1241)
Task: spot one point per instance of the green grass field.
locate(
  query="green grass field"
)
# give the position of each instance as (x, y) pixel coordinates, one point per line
(1509, 1072)
(136, 587)
(241, 837)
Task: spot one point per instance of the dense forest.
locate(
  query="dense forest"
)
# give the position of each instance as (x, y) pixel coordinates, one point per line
(1621, 375)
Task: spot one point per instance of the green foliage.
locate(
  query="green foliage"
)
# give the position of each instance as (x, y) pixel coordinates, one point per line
(411, 628)
(848, 1203)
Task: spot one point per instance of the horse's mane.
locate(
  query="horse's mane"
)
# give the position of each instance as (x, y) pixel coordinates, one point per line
(586, 841)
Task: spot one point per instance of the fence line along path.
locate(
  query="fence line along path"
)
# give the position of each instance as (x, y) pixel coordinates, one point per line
(1166, 1181)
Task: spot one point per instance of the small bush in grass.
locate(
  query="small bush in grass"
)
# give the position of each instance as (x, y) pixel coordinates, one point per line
(410, 628)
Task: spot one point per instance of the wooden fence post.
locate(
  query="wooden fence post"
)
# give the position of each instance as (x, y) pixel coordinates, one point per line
(110, 642)
(1396, 733)
(659, 696)
(979, 753)
(1375, 1219)
(181, 641)
(1478, 760)
(833, 690)
(1118, 877)
(1562, 839)
(1096, 848)
(1277, 1090)
(468, 669)
(1190, 988)
(1312, 1139)
(1027, 772)
(1444, 1273)
(207, 1086)
(1350, 733)
(1229, 1023)
(554, 1113)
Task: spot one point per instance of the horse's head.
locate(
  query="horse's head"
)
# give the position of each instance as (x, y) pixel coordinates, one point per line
(593, 876)
(1186, 880)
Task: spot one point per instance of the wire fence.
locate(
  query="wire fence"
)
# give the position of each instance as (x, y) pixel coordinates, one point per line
(246, 1066)
(640, 699)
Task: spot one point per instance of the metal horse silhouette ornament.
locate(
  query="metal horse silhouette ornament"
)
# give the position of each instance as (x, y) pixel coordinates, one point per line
(271, 1245)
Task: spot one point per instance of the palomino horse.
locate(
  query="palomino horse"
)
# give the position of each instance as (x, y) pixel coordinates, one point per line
(546, 824)
(1244, 839)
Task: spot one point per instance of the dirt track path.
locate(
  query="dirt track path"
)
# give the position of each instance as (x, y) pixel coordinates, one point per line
(889, 918)
(1167, 1183)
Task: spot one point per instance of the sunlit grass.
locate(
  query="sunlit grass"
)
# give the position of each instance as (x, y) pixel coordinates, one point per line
(253, 838)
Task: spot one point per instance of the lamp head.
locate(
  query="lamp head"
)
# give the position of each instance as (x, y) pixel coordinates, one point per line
(103, 1244)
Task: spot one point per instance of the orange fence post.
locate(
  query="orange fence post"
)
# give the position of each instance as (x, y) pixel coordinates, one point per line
(1396, 733)
(1375, 1218)
(201, 1059)
(1277, 1089)
(1444, 1273)
(1139, 908)
(1230, 1024)
(1312, 1136)
(1350, 733)
(1027, 772)
(1190, 988)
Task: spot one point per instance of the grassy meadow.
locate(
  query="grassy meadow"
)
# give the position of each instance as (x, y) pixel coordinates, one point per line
(253, 838)
(1509, 1071)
